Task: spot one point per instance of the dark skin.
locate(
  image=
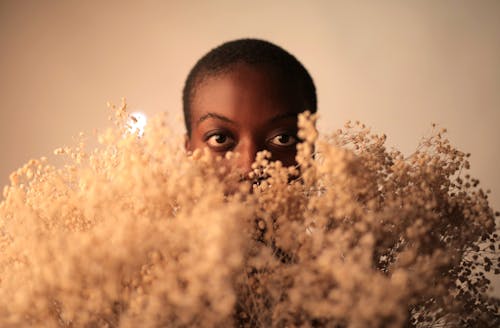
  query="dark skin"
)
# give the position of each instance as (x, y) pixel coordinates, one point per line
(246, 110)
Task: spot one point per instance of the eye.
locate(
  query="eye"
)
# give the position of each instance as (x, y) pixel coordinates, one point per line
(283, 140)
(219, 141)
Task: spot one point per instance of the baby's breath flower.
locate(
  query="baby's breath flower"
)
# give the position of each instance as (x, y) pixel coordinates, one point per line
(137, 233)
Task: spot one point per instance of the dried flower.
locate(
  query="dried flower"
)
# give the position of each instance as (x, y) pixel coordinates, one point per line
(137, 233)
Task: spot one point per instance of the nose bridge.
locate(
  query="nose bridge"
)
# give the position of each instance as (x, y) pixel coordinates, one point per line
(247, 148)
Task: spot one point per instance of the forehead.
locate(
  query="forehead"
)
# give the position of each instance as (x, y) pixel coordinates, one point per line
(245, 91)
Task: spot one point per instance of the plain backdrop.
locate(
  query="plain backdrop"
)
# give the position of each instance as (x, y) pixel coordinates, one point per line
(398, 66)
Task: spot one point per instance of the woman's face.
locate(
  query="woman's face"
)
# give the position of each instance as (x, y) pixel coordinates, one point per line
(245, 110)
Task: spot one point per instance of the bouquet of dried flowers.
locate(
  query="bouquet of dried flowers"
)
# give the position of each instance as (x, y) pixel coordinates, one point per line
(137, 233)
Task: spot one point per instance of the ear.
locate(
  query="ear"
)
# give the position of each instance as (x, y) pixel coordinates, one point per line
(187, 142)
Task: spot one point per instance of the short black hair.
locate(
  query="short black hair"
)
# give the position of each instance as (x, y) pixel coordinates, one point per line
(253, 52)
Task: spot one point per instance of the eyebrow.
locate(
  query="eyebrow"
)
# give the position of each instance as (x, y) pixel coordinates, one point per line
(282, 117)
(228, 120)
(215, 116)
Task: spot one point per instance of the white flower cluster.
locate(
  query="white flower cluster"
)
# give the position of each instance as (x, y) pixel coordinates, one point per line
(135, 233)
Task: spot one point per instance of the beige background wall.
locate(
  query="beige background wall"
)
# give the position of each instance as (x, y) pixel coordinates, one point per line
(396, 65)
